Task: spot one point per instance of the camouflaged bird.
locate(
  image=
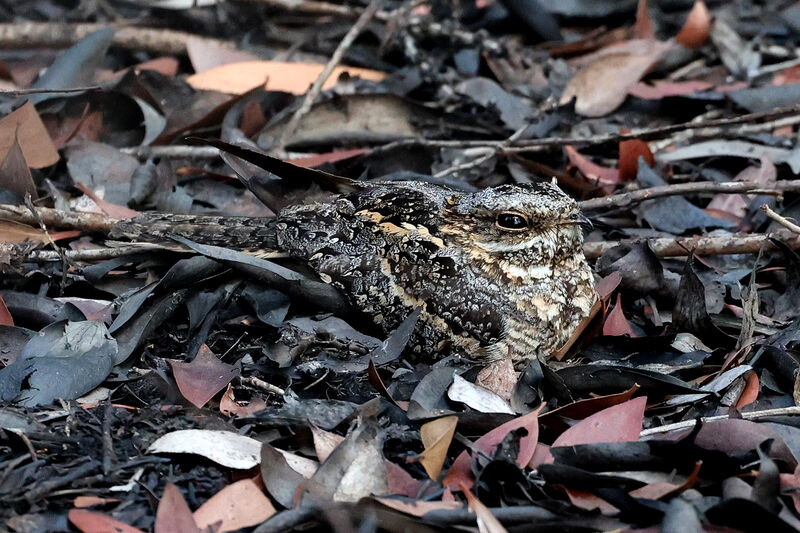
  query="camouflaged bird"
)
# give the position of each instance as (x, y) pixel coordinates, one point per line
(495, 272)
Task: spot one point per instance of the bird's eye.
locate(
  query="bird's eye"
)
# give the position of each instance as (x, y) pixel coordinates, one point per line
(512, 221)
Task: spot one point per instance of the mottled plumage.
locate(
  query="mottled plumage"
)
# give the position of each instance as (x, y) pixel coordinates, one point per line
(485, 291)
(496, 272)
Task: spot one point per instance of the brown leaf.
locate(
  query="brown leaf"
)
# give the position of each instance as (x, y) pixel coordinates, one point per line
(5, 315)
(230, 406)
(93, 522)
(237, 506)
(90, 501)
(295, 78)
(695, 30)
(498, 377)
(616, 324)
(173, 513)
(629, 153)
(15, 232)
(31, 134)
(436, 435)
(330, 157)
(602, 175)
(581, 409)
(15, 174)
(487, 522)
(643, 29)
(663, 88)
(324, 442)
(204, 377)
(601, 86)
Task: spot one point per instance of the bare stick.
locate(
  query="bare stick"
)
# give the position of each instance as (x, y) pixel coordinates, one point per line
(56, 218)
(753, 415)
(701, 245)
(731, 187)
(316, 87)
(58, 34)
(783, 221)
(175, 151)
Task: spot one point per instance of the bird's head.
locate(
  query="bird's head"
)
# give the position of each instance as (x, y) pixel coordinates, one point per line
(519, 224)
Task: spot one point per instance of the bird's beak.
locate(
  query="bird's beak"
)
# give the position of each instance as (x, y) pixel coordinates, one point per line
(579, 219)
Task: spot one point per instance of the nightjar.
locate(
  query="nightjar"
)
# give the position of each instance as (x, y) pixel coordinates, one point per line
(495, 272)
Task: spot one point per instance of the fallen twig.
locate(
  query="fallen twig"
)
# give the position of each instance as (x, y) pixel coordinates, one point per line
(753, 415)
(701, 245)
(783, 221)
(59, 34)
(336, 57)
(731, 187)
(57, 218)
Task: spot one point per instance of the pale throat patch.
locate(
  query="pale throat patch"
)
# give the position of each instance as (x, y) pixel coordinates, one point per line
(515, 247)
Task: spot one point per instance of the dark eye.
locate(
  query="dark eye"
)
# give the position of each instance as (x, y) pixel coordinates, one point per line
(513, 221)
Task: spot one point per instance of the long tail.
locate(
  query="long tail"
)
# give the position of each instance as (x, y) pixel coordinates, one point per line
(241, 233)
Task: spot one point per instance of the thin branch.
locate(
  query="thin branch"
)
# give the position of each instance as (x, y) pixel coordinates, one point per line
(60, 34)
(753, 415)
(335, 59)
(59, 219)
(177, 151)
(729, 187)
(783, 221)
(701, 245)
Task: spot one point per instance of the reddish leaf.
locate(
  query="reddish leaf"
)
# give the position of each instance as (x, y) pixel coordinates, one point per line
(330, 157)
(459, 473)
(643, 29)
(401, 482)
(619, 423)
(593, 171)
(24, 124)
(173, 513)
(114, 211)
(487, 522)
(5, 315)
(696, 29)
(589, 502)
(230, 406)
(629, 154)
(93, 522)
(750, 392)
(166, 65)
(581, 409)
(253, 118)
(90, 501)
(733, 435)
(204, 377)
(239, 505)
(662, 89)
(616, 324)
(605, 286)
(791, 483)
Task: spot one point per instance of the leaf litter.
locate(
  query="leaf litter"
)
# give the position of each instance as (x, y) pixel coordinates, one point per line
(183, 385)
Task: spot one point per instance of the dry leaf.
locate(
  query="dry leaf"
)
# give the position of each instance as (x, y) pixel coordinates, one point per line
(173, 513)
(695, 30)
(237, 506)
(436, 436)
(601, 86)
(15, 232)
(487, 522)
(31, 134)
(295, 78)
(204, 377)
(93, 522)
